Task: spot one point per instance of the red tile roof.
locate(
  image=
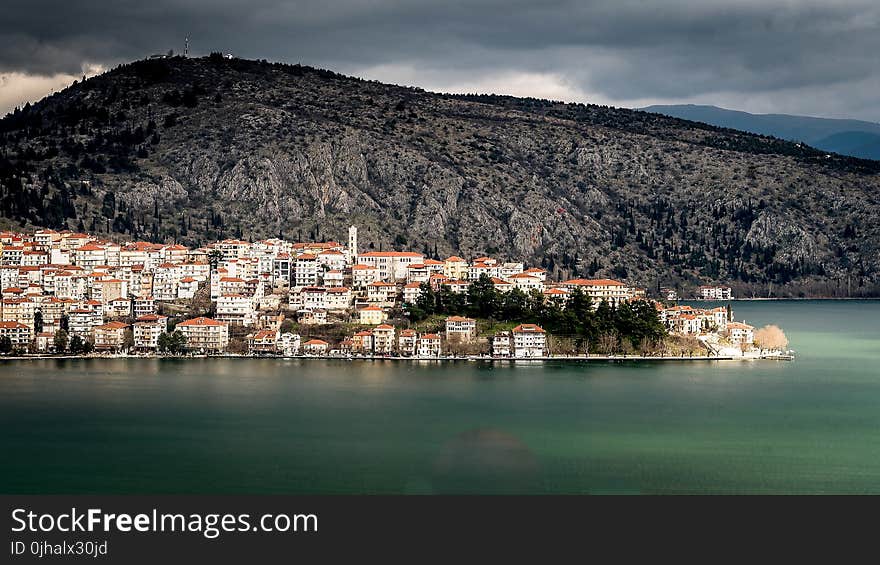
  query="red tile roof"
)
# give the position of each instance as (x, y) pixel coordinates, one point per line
(201, 321)
(528, 328)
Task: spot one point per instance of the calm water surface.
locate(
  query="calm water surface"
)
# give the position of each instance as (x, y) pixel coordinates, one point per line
(306, 426)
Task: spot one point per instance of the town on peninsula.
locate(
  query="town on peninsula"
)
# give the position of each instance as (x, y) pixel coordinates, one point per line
(66, 293)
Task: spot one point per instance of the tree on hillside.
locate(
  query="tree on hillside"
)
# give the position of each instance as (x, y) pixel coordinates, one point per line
(77, 345)
(127, 340)
(214, 257)
(174, 342)
(60, 341)
(38, 321)
(482, 298)
(514, 305)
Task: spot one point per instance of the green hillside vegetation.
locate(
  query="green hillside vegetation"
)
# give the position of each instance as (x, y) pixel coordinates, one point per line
(604, 328)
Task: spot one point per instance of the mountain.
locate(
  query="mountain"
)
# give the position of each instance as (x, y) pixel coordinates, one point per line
(193, 150)
(862, 144)
(847, 137)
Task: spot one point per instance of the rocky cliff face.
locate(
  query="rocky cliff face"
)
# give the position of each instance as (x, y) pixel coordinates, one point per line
(198, 149)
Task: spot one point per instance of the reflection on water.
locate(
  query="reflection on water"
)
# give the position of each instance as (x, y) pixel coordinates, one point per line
(482, 461)
(300, 426)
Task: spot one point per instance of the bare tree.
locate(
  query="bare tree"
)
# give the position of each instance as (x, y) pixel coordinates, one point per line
(608, 343)
(648, 346)
(771, 337)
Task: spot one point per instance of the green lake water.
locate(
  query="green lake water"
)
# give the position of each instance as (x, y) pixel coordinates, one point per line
(309, 426)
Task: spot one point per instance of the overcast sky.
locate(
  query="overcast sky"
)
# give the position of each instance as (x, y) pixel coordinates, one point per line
(790, 56)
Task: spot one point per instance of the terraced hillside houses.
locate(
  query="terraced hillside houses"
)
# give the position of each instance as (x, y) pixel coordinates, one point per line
(123, 296)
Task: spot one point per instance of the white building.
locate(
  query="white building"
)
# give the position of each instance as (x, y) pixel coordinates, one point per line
(281, 270)
(611, 291)
(205, 334)
(411, 292)
(501, 344)
(315, 347)
(146, 331)
(288, 344)
(461, 329)
(338, 299)
(740, 334)
(306, 270)
(392, 265)
(81, 321)
(362, 275)
(312, 297)
(381, 292)
(383, 339)
(526, 282)
(352, 250)
(406, 342)
(333, 278)
(19, 334)
(529, 340)
(331, 260)
(236, 310)
(715, 293)
(429, 346)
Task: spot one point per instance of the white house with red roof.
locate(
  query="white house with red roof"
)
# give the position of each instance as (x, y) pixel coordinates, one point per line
(411, 292)
(740, 333)
(417, 272)
(461, 329)
(457, 286)
(19, 334)
(406, 342)
(526, 282)
(382, 293)
(205, 334)
(362, 275)
(529, 340)
(455, 267)
(332, 259)
(236, 310)
(90, 255)
(338, 299)
(383, 339)
(372, 315)
(429, 345)
(312, 297)
(263, 341)
(187, 288)
(502, 285)
(146, 331)
(611, 291)
(305, 270)
(315, 347)
(392, 265)
(333, 278)
(109, 336)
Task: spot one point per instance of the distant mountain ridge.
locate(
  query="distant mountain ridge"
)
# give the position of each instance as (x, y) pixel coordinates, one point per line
(855, 138)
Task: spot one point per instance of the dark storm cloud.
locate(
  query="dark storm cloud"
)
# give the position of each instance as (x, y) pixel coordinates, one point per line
(800, 53)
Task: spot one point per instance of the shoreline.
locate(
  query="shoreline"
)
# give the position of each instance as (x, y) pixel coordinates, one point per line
(777, 299)
(470, 358)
